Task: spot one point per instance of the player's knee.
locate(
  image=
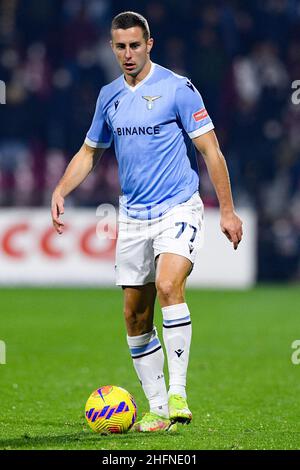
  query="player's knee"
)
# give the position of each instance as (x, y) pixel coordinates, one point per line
(167, 289)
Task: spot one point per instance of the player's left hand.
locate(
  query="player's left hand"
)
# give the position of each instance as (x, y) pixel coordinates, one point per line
(57, 209)
(231, 226)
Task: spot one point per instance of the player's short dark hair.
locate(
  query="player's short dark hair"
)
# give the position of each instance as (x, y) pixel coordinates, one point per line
(129, 19)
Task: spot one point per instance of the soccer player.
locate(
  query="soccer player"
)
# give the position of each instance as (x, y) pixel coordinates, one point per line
(155, 118)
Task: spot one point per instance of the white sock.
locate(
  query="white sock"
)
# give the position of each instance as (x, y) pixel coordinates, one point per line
(177, 333)
(148, 361)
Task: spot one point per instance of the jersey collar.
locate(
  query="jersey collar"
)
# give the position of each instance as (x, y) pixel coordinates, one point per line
(134, 88)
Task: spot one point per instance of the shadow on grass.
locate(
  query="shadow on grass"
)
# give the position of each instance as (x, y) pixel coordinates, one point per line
(53, 441)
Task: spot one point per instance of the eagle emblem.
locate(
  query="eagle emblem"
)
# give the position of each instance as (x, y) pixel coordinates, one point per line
(150, 101)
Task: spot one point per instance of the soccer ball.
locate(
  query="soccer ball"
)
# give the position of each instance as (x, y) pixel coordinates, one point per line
(110, 409)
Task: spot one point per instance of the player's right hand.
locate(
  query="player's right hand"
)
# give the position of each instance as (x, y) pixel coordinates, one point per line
(57, 209)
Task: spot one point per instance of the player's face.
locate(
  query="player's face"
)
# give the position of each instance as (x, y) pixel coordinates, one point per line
(131, 49)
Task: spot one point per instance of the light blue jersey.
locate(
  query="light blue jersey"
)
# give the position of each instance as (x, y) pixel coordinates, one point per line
(152, 125)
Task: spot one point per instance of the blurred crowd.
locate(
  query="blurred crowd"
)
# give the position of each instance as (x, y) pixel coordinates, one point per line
(243, 56)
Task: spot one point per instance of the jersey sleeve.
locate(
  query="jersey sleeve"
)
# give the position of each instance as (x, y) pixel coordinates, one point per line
(191, 110)
(99, 134)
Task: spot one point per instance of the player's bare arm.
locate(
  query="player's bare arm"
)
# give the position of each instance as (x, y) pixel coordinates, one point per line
(79, 167)
(231, 225)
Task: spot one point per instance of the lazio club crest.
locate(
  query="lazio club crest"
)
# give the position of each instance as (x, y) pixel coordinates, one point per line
(150, 101)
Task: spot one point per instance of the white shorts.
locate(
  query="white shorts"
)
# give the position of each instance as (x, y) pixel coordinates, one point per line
(179, 231)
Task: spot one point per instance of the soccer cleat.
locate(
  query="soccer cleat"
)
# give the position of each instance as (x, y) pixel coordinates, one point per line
(152, 422)
(179, 410)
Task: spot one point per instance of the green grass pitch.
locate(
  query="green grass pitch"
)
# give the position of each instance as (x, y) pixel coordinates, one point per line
(61, 344)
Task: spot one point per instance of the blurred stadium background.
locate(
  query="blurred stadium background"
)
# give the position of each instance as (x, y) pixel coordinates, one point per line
(243, 56)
